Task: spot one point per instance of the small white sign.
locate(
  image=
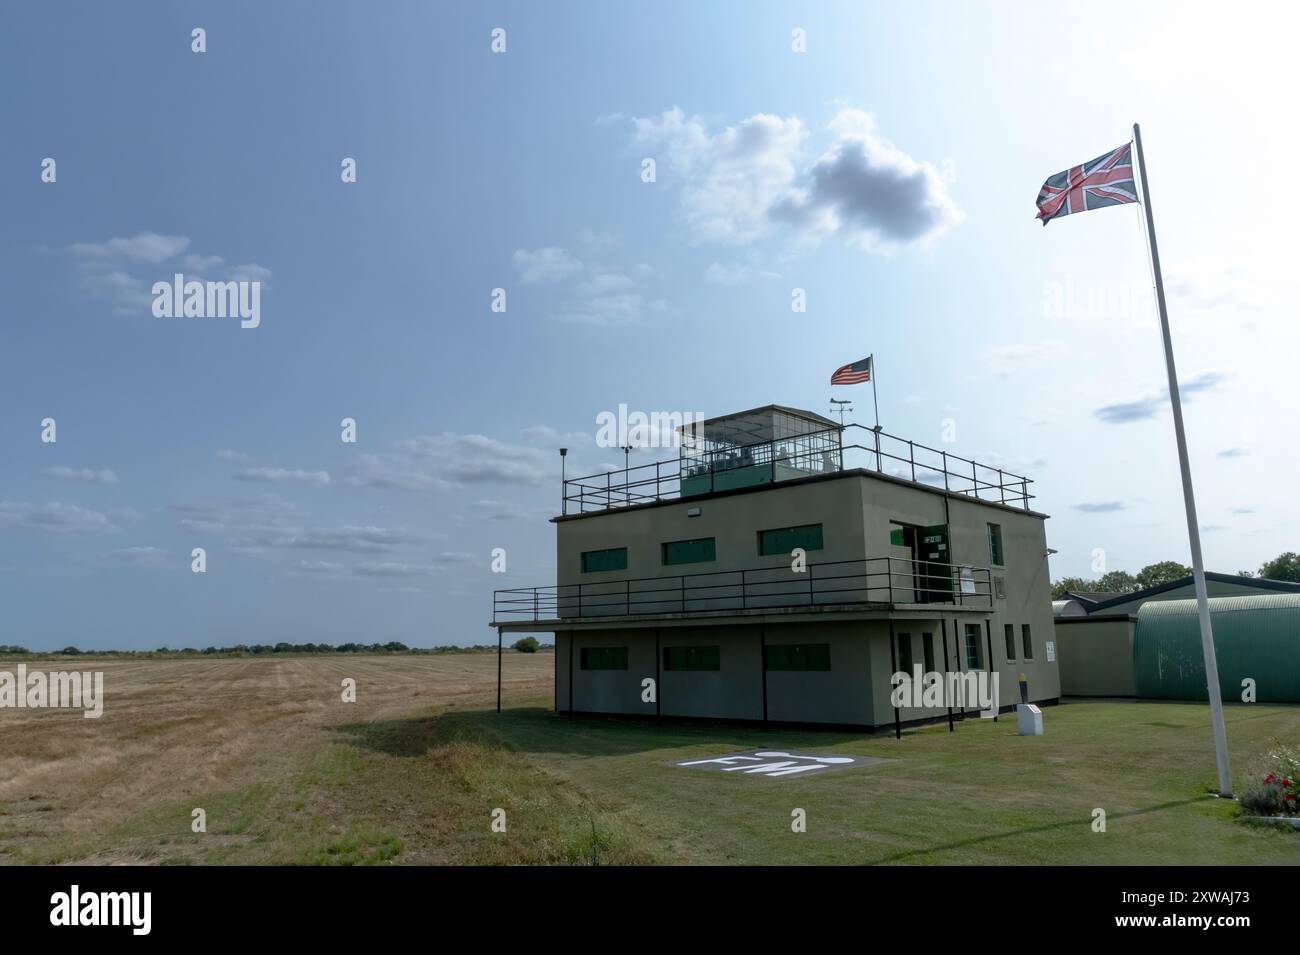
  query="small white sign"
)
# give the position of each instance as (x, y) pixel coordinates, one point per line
(1051, 651)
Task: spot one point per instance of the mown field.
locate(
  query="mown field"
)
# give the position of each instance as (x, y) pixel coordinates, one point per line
(411, 773)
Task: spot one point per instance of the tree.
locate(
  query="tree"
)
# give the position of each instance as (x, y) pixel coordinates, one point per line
(1164, 572)
(1071, 583)
(526, 645)
(1283, 567)
(1118, 582)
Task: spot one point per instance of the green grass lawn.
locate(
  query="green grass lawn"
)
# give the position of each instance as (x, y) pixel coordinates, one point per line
(422, 790)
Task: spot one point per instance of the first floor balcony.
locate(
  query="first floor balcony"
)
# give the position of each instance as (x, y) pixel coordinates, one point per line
(868, 583)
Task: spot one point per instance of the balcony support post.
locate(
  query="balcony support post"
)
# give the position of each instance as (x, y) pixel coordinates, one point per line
(988, 634)
(943, 631)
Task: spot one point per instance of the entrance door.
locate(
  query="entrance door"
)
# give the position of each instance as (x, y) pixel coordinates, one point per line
(936, 564)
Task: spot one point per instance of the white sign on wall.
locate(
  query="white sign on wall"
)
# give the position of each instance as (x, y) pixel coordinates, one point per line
(1051, 651)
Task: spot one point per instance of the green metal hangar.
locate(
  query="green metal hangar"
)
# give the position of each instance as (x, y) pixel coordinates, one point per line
(1148, 644)
(782, 568)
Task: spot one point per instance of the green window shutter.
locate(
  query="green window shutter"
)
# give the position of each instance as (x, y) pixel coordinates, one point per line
(1009, 634)
(783, 540)
(692, 658)
(689, 552)
(1028, 641)
(799, 657)
(596, 561)
(896, 537)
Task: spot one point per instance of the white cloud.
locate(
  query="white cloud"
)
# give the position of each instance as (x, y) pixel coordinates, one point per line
(729, 180)
(731, 275)
(443, 460)
(146, 247)
(128, 294)
(112, 269)
(134, 556)
(54, 518)
(869, 191)
(252, 272)
(202, 263)
(545, 265)
(736, 184)
(389, 569)
(88, 475)
(284, 476)
(610, 297)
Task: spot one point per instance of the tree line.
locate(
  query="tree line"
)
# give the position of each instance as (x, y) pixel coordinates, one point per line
(1283, 567)
(261, 649)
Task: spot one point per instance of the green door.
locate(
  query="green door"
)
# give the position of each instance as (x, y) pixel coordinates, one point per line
(935, 570)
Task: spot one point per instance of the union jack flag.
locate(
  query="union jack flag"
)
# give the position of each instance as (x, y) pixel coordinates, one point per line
(853, 374)
(1106, 181)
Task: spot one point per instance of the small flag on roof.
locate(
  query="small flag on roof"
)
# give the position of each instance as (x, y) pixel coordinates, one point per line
(854, 374)
(1106, 181)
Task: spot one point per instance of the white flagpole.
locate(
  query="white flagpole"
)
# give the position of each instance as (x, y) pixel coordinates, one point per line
(871, 367)
(1193, 530)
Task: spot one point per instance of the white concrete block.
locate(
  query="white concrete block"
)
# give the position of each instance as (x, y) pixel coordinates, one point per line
(1029, 719)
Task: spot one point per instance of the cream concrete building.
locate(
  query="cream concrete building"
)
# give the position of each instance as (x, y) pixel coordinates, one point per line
(782, 568)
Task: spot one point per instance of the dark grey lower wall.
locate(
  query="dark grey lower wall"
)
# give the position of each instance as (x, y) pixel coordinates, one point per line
(840, 696)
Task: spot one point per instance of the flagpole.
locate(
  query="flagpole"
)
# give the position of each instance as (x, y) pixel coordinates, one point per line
(1193, 530)
(871, 364)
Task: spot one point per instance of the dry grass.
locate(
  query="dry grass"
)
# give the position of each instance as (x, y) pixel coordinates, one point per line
(177, 732)
(412, 772)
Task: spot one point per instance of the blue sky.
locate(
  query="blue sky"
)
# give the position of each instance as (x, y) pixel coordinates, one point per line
(889, 171)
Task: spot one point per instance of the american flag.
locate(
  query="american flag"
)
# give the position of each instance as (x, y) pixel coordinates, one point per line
(1106, 181)
(853, 374)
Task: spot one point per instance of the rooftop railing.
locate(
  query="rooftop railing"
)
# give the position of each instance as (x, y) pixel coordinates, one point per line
(859, 447)
(873, 581)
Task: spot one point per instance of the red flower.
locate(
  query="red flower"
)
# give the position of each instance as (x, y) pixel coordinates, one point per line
(1269, 778)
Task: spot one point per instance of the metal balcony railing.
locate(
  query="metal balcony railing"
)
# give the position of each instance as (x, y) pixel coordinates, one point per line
(873, 581)
(859, 447)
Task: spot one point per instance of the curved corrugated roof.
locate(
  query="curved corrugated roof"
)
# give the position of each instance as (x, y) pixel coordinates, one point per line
(1256, 639)
(1176, 608)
